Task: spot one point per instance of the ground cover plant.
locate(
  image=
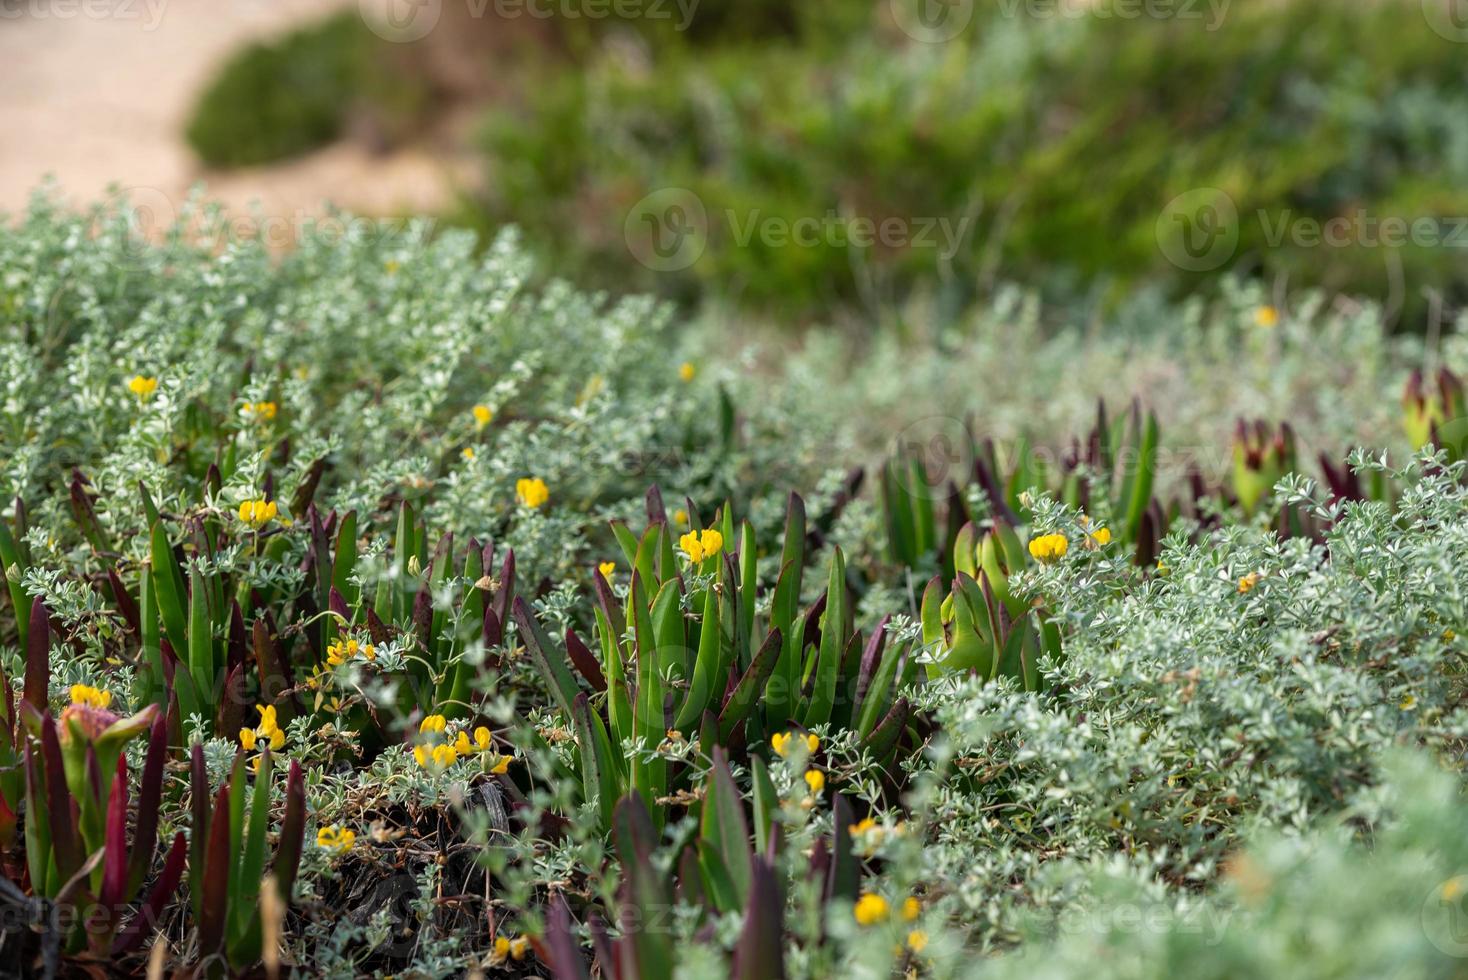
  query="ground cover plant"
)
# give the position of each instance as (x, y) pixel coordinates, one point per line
(370, 611)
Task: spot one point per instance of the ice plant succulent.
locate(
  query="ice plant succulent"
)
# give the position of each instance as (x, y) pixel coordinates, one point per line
(1262, 454)
(708, 655)
(1435, 413)
(227, 856)
(70, 819)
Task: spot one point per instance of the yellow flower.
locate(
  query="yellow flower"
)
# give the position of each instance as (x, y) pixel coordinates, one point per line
(698, 545)
(816, 780)
(433, 724)
(1409, 703)
(812, 742)
(509, 949)
(483, 415)
(277, 740)
(90, 696)
(780, 742)
(258, 513)
(142, 387)
(1049, 547)
(869, 833)
(461, 744)
(911, 909)
(1101, 536)
(532, 493)
(686, 371)
(917, 940)
(870, 909)
(1266, 317)
(391, 267)
(467, 452)
(268, 724)
(482, 739)
(437, 758)
(248, 739)
(1248, 582)
(691, 547)
(258, 411)
(607, 568)
(334, 838)
(501, 765)
(680, 516)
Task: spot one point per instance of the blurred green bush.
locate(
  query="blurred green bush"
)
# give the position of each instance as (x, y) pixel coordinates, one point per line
(1050, 146)
(277, 99)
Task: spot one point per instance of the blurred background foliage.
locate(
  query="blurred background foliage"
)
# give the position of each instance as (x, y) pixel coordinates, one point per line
(1052, 144)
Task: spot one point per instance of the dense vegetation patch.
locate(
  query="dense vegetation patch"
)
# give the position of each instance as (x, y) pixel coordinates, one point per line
(368, 611)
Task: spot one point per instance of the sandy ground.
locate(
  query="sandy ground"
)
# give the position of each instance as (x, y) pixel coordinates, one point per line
(96, 92)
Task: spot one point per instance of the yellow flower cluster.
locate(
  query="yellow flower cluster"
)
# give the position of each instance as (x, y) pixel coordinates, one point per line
(334, 838)
(782, 743)
(268, 729)
(509, 949)
(340, 651)
(258, 513)
(258, 411)
(698, 545)
(142, 387)
(437, 756)
(870, 909)
(92, 697)
(483, 415)
(1095, 537)
(1050, 547)
(531, 492)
